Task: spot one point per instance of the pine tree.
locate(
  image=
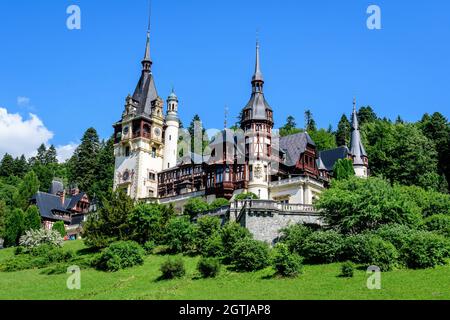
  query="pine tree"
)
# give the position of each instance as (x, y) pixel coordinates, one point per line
(3, 213)
(105, 171)
(343, 169)
(32, 219)
(60, 227)
(14, 227)
(20, 167)
(41, 154)
(197, 146)
(26, 190)
(83, 164)
(7, 166)
(309, 121)
(51, 156)
(343, 131)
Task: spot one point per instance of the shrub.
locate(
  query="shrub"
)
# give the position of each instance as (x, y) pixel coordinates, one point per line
(120, 255)
(286, 264)
(213, 246)
(322, 247)
(36, 238)
(32, 218)
(60, 227)
(14, 227)
(231, 234)
(347, 269)
(438, 223)
(371, 249)
(180, 235)
(208, 267)
(218, 203)
(195, 206)
(173, 268)
(294, 236)
(148, 247)
(397, 234)
(246, 196)
(206, 228)
(426, 250)
(250, 255)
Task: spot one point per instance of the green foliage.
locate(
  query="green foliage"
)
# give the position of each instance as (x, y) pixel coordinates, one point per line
(294, 236)
(14, 227)
(180, 235)
(207, 228)
(41, 237)
(110, 223)
(231, 234)
(26, 190)
(208, 267)
(60, 228)
(104, 174)
(371, 249)
(397, 234)
(343, 169)
(356, 205)
(246, 196)
(439, 223)
(429, 201)
(219, 203)
(173, 268)
(285, 263)
(323, 139)
(149, 246)
(426, 250)
(148, 221)
(7, 166)
(120, 255)
(82, 167)
(402, 153)
(3, 214)
(213, 246)
(250, 255)
(322, 247)
(347, 269)
(32, 219)
(289, 128)
(309, 121)
(195, 206)
(366, 115)
(343, 132)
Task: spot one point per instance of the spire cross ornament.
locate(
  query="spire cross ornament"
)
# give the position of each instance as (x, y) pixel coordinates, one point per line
(225, 123)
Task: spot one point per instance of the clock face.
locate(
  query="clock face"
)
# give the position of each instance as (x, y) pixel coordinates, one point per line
(157, 132)
(126, 130)
(126, 175)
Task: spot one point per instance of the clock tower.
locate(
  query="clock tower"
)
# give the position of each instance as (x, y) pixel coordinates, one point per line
(139, 144)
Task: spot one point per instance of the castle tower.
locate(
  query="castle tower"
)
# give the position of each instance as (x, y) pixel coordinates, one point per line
(139, 144)
(171, 133)
(357, 151)
(257, 123)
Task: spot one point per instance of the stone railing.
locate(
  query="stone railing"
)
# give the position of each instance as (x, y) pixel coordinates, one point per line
(181, 197)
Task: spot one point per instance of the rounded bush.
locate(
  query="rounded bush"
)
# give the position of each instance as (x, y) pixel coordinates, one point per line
(397, 234)
(209, 267)
(322, 247)
(120, 255)
(426, 250)
(285, 263)
(371, 249)
(172, 268)
(294, 236)
(148, 247)
(231, 234)
(213, 246)
(347, 269)
(438, 223)
(250, 255)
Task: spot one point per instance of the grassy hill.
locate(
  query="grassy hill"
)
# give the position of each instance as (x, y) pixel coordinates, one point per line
(317, 282)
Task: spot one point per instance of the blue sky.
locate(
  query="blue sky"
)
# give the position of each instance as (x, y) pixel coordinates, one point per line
(315, 55)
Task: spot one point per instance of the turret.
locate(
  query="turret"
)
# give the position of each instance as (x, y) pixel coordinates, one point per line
(171, 133)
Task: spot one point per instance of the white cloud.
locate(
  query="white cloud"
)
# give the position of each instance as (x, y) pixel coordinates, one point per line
(65, 152)
(21, 136)
(23, 101)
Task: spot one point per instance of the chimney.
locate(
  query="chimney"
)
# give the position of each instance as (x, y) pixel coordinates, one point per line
(62, 196)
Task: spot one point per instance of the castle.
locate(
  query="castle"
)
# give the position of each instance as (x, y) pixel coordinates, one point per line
(283, 171)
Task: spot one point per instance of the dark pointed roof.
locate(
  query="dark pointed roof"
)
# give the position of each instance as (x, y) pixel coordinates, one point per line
(329, 157)
(258, 105)
(356, 147)
(294, 145)
(145, 92)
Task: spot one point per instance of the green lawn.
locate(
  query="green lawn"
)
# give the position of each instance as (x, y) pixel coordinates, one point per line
(317, 282)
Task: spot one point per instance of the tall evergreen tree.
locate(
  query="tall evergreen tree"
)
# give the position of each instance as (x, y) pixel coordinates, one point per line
(26, 190)
(83, 164)
(437, 129)
(7, 166)
(20, 167)
(3, 213)
(51, 156)
(323, 139)
(290, 127)
(14, 227)
(343, 131)
(105, 171)
(204, 144)
(310, 124)
(32, 219)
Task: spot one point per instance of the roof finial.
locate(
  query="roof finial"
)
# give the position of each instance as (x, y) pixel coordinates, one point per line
(258, 74)
(147, 62)
(225, 123)
(354, 104)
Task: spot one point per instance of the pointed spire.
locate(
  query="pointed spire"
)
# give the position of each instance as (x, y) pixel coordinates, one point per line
(147, 62)
(355, 124)
(258, 76)
(357, 148)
